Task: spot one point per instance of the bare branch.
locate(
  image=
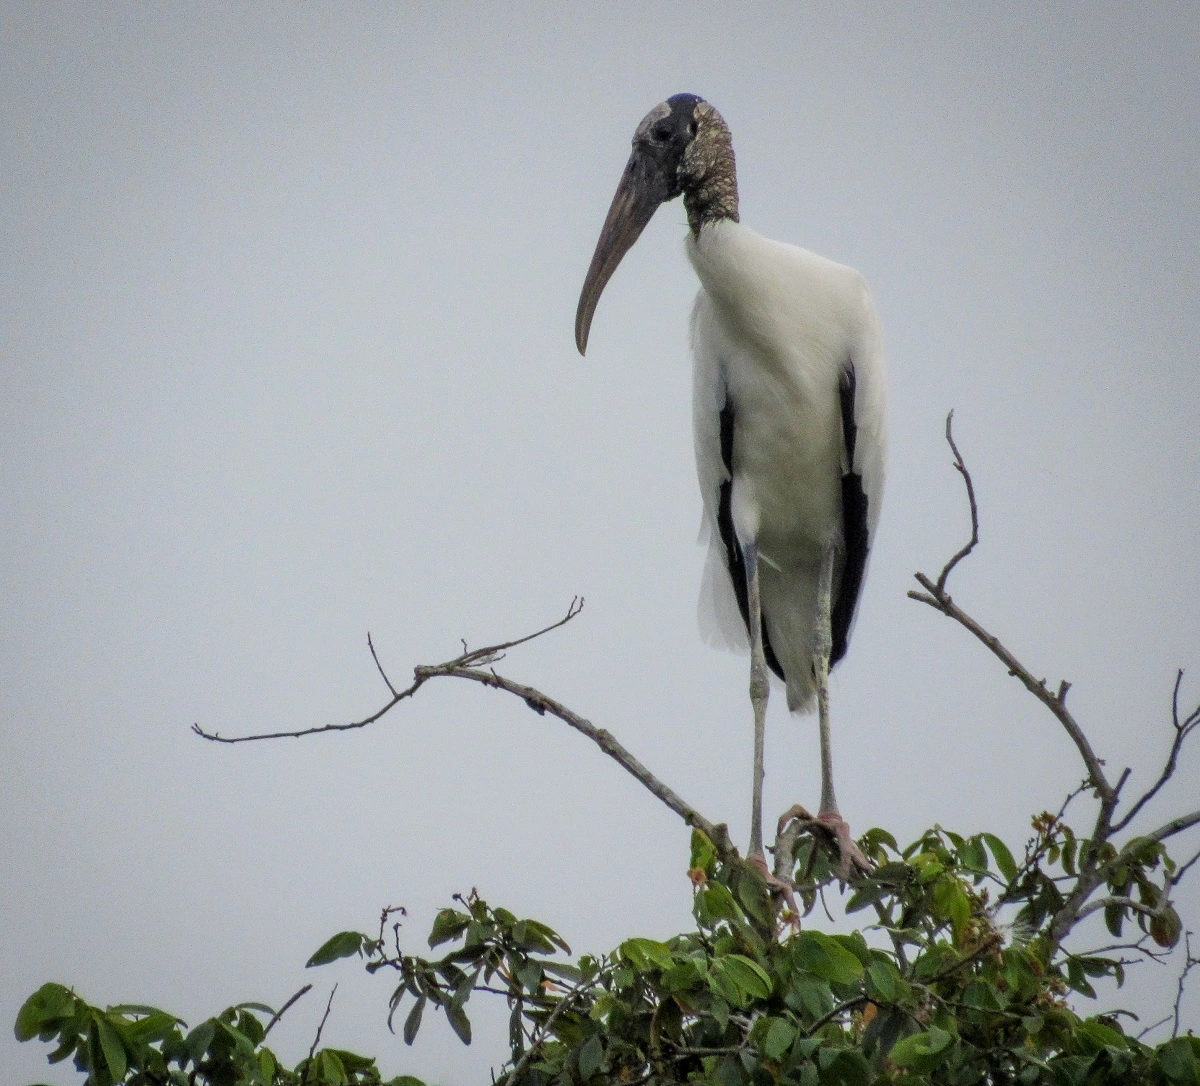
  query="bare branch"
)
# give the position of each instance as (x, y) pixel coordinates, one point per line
(379, 666)
(542, 703)
(535, 1042)
(1123, 902)
(939, 599)
(279, 1013)
(1182, 730)
(471, 664)
(317, 1038)
(485, 655)
(1188, 964)
(1168, 829)
(1056, 703)
(971, 543)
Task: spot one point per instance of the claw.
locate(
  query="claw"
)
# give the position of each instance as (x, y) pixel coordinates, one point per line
(851, 859)
(791, 913)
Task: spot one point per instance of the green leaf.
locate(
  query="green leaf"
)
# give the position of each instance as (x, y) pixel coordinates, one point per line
(1114, 919)
(643, 953)
(885, 980)
(1103, 1035)
(48, 1003)
(753, 896)
(342, 945)
(110, 1045)
(810, 995)
(1178, 1061)
(1077, 979)
(331, 1069)
(199, 1039)
(1166, 927)
(825, 957)
(549, 934)
(447, 925)
(973, 854)
(780, 1035)
(1004, 858)
(413, 1022)
(459, 1022)
(869, 893)
(715, 903)
(591, 1057)
(950, 902)
(704, 853)
(748, 979)
(918, 1048)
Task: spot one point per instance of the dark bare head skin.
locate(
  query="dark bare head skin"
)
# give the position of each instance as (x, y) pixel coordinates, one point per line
(681, 148)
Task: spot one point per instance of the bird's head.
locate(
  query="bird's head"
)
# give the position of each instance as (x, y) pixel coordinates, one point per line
(681, 148)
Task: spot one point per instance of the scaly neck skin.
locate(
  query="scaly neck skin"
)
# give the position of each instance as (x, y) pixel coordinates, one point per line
(710, 192)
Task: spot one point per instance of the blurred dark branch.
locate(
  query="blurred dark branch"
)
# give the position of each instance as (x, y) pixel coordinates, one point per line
(317, 1038)
(282, 1010)
(476, 665)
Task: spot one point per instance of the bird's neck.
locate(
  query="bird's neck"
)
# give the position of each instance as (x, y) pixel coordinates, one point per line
(710, 205)
(714, 196)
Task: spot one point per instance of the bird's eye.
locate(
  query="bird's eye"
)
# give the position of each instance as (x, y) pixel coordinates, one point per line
(662, 133)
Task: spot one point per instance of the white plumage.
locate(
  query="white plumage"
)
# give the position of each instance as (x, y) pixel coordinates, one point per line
(773, 326)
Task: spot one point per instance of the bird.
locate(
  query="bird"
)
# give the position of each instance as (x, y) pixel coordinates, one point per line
(790, 421)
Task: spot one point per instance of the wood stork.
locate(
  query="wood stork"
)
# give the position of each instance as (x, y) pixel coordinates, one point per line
(790, 423)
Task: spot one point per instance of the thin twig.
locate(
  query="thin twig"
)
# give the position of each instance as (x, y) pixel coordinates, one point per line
(1188, 964)
(1182, 730)
(961, 467)
(279, 1013)
(467, 657)
(534, 1042)
(542, 703)
(841, 1008)
(379, 666)
(939, 599)
(317, 1039)
(471, 664)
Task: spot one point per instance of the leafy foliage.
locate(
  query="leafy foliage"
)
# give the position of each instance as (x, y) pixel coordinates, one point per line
(145, 1046)
(956, 980)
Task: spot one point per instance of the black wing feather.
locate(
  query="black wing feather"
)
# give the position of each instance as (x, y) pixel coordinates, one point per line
(734, 558)
(854, 526)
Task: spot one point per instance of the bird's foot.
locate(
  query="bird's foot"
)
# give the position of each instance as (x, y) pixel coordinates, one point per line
(780, 888)
(851, 859)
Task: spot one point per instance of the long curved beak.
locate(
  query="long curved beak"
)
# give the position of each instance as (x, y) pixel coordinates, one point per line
(643, 187)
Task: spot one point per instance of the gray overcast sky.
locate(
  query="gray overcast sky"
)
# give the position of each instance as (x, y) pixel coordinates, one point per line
(287, 356)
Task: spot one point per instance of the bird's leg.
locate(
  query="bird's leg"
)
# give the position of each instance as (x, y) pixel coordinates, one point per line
(852, 857)
(760, 689)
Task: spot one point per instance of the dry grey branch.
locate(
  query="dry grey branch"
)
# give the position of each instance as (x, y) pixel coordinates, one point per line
(961, 468)
(476, 665)
(1182, 730)
(1094, 872)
